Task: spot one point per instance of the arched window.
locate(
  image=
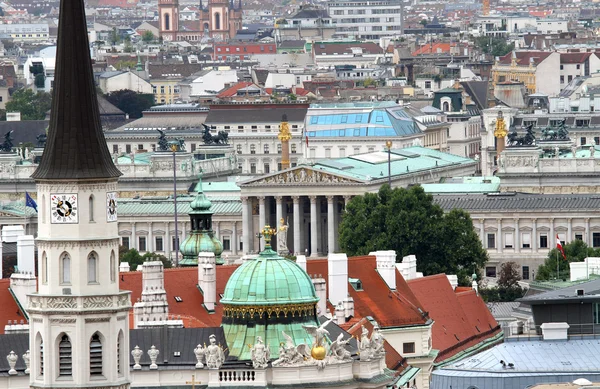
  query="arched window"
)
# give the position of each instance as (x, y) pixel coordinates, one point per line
(206, 28)
(91, 206)
(95, 355)
(217, 21)
(446, 107)
(65, 357)
(266, 148)
(113, 269)
(119, 351)
(92, 268)
(40, 347)
(167, 22)
(65, 269)
(44, 268)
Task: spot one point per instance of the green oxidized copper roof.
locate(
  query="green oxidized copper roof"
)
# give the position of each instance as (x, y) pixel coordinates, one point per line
(201, 204)
(199, 242)
(269, 280)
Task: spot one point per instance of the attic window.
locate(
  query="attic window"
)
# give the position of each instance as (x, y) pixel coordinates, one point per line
(176, 353)
(356, 283)
(178, 299)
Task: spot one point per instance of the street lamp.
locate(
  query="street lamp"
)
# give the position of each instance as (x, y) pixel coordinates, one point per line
(388, 144)
(258, 236)
(174, 146)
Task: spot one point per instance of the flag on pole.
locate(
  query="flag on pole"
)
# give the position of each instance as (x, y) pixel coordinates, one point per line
(30, 202)
(306, 140)
(560, 247)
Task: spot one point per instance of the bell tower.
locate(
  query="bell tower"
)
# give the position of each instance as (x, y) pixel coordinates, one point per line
(79, 327)
(168, 11)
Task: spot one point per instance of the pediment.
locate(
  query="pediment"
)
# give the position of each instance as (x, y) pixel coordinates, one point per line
(301, 176)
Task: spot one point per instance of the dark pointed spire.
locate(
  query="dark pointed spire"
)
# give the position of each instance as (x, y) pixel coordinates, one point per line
(76, 148)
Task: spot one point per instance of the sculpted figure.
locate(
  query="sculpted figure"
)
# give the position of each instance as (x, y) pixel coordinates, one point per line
(214, 354)
(260, 354)
(282, 237)
(338, 349)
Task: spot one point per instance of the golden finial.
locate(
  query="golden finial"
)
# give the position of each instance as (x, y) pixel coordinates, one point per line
(268, 232)
(500, 130)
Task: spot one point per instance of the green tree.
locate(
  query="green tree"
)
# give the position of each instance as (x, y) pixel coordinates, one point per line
(32, 106)
(134, 258)
(423, 22)
(575, 251)
(508, 275)
(131, 102)
(148, 36)
(114, 36)
(407, 221)
(496, 46)
(508, 288)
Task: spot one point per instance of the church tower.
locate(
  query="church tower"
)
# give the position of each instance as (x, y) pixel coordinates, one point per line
(168, 11)
(79, 319)
(221, 19)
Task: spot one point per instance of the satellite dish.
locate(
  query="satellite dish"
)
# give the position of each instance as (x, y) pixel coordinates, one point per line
(582, 382)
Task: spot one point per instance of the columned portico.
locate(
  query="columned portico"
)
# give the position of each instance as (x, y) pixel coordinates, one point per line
(296, 231)
(331, 238)
(262, 217)
(314, 224)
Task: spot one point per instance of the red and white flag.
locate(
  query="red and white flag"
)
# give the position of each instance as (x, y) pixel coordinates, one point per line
(560, 247)
(306, 140)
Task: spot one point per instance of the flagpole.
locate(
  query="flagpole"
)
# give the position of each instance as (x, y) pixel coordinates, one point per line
(557, 264)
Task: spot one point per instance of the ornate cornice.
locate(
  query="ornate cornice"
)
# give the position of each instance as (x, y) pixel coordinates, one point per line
(65, 304)
(277, 311)
(74, 186)
(72, 244)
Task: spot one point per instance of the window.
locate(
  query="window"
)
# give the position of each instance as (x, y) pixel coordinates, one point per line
(91, 207)
(125, 242)
(562, 79)
(113, 267)
(596, 239)
(115, 149)
(279, 166)
(427, 84)
(140, 147)
(252, 149)
(41, 355)
(596, 313)
(266, 149)
(253, 167)
(142, 243)
(583, 140)
(490, 271)
(543, 241)
(65, 365)
(293, 149)
(342, 152)
(491, 241)
(526, 237)
(226, 243)
(119, 351)
(158, 243)
(128, 149)
(578, 66)
(92, 264)
(278, 148)
(578, 236)
(508, 240)
(408, 348)
(562, 67)
(65, 269)
(267, 168)
(95, 355)
(569, 78)
(238, 149)
(525, 272)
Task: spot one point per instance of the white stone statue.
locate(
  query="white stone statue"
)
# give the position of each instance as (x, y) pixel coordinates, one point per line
(26, 153)
(574, 150)
(12, 361)
(377, 340)
(556, 151)
(136, 353)
(365, 345)
(27, 360)
(199, 351)
(214, 354)
(338, 349)
(592, 151)
(290, 354)
(153, 354)
(260, 354)
(282, 237)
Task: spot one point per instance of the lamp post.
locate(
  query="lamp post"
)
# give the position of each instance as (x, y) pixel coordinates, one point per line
(388, 144)
(258, 236)
(174, 146)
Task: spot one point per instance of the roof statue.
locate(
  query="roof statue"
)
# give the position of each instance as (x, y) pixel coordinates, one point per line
(338, 349)
(290, 354)
(163, 143)
(7, 145)
(76, 147)
(41, 140)
(260, 354)
(554, 133)
(214, 354)
(282, 237)
(220, 139)
(525, 140)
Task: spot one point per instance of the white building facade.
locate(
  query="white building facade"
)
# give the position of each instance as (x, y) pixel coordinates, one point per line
(366, 20)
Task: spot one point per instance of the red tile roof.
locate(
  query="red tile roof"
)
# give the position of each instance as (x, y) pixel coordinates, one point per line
(574, 58)
(433, 48)
(232, 91)
(461, 320)
(8, 306)
(387, 308)
(523, 57)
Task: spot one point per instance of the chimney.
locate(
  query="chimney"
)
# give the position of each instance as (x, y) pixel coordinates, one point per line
(321, 291)
(11, 233)
(348, 306)
(555, 331)
(21, 285)
(124, 267)
(453, 280)
(340, 317)
(386, 266)
(337, 268)
(301, 261)
(26, 254)
(153, 305)
(207, 279)
(408, 267)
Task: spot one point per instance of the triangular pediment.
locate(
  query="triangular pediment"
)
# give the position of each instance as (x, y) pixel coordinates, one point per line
(301, 175)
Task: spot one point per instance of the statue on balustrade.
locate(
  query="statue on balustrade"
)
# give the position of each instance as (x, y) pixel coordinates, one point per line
(163, 143)
(7, 145)
(222, 138)
(525, 140)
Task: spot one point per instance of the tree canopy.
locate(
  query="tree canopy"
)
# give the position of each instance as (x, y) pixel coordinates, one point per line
(575, 251)
(134, 258)
(33, 106)
(508, 288)
(131, 102)
(409, 222)
(496, 46)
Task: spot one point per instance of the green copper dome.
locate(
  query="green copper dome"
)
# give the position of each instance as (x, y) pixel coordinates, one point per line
(202, 237)
(267, 280)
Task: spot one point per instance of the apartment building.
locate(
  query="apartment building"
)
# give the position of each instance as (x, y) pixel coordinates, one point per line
(369, 20)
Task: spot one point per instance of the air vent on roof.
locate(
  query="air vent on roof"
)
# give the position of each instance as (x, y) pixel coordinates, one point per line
(176, 353)
(178, 299)
(580, 292)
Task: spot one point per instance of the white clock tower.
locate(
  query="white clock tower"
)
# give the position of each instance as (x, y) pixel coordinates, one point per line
(79, 319)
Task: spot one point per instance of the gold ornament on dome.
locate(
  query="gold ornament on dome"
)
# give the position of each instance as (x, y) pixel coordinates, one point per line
(318, 352)
(245, 311)
(268, 233)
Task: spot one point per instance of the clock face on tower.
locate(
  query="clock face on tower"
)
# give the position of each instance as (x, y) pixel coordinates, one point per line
(111, 206)
(64, 208)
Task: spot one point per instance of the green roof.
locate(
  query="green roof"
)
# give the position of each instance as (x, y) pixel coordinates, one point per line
(160, 207)
(465, 185)
(220, 187)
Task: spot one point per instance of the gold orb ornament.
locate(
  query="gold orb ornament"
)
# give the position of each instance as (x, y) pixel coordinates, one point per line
(318, 353)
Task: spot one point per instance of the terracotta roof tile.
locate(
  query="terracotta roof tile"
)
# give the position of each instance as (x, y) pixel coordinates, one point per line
(232, 91)
(523, 57)
(574, 58)
(433, 48)
(10, 310)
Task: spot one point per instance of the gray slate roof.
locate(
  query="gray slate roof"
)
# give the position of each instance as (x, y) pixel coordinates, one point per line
(591, 291)
(267, 114)
(519, 202)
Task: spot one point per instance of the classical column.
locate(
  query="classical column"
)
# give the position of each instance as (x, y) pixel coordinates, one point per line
(499, 240)
(552, 237)
(314, 222)
(586, 236)
(517, 237)
(167, 243)
(569, 231)
(246, 227)
(150, 242)
(133, 242)
(262, 218)
(482, 232)
(297, 217)
(534, 237)
(234, 239)
(330, 224)
(278, 211)
(347, 199)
